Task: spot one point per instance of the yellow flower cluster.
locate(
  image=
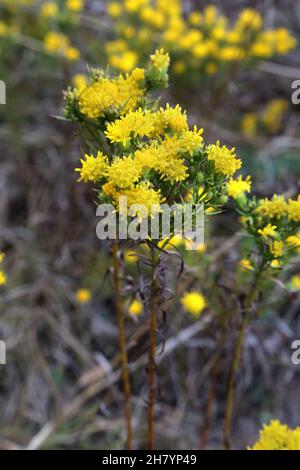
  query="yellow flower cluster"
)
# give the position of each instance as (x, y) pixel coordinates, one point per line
(92, 168)
(269, 118)
(278, 207)
(59, 44)
(146, 124)
(152, 155)
(203, 40)
(237, 187)
(274, 224)
(224, 160)
(119, 95)
(295, 282)
(47, 14)
(277, 436)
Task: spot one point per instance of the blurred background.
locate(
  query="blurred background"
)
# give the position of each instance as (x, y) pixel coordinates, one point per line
(60, 388)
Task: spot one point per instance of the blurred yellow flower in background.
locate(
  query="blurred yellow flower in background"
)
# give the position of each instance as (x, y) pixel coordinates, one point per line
(193, 302)
(83, 296)
(2, 278)
(295, 282)
(135, 308)
(49, 10)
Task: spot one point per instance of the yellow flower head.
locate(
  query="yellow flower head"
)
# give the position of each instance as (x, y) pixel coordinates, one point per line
(143, 195)
(295, 282)
(245, 265)
(273, 208)
(92, 168)
(135, 308)
(293, 209)
(194, 303)
(237, 187)
(114, 9)
(49, 10)
(55, 42)
(121, 94)
(123, 172)
(75, 5)
(160, 60)
(268, 232)
(134, 124)
(249, 124)
(124, 61)
(71, 53)
(224, 160)
(2, 278)
(293, 241)
(277, 248)
(249, 18)
(130, 257)
(83, 296)
(277, 436)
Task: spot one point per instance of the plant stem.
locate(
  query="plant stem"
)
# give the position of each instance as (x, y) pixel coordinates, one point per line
(211, 397)
(151, 355)
(236, 359)
(122, 344)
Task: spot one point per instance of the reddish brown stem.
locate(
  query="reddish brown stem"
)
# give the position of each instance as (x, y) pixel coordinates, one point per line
(151, 358)
(122, 344)
(211, 397)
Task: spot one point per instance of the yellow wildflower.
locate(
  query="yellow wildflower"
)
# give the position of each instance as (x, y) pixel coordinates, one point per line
(75, 5)
(274, 208)
(195, 18)
(295, 282)
(249, 124)
(142, 194)
(237, 187)
(55, 42)
(293, 209)
(246, 265)
(2, 278)
(134, 124)
(83, 296)
(275, 264)
(277, 436)
(194, 303)
(120, 94)
(273, 113)
(249, 19)
(277, 248)
(130, 256)
(49, 10)
(224, 160)
(123, 172)
(71, 53)
(114, 9)
(92, 168)
(135, 308)
(125, 61)
(160, 60)
(293, 241)
(284, 41)
(268, 232)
